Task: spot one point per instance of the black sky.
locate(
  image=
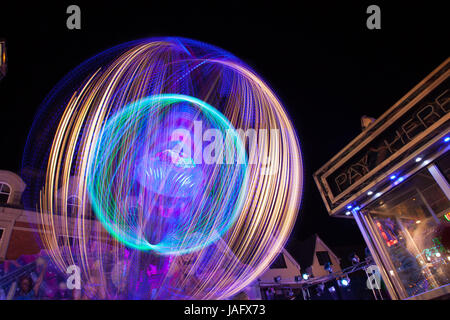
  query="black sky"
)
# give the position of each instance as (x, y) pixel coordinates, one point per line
(320, 59)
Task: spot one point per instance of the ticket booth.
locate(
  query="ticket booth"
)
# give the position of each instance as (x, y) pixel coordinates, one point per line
(393, 179)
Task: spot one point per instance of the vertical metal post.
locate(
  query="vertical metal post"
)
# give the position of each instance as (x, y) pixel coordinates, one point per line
(440, 179)
(392, 292)
(430, 210)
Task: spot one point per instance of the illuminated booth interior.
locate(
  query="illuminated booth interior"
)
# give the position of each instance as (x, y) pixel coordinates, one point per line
(393, 179)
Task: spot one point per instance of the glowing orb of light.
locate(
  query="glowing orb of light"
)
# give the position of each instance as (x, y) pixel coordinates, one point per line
(131, 167)
(124, 165)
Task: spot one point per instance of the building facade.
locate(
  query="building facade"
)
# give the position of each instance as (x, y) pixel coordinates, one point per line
(20, 228)
(296, 265)
(17, 235)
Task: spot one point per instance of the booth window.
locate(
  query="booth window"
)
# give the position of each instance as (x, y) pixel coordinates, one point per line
(404, 222)
(5, 191)
(73, 204)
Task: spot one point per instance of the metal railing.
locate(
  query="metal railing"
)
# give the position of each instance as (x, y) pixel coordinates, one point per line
(363, 265)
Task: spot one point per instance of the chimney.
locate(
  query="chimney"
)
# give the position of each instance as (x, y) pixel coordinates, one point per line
(366, 122)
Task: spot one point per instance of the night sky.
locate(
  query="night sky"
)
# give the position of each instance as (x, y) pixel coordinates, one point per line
(323, 63)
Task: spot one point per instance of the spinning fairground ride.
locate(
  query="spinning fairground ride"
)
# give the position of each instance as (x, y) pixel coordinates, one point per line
(185, 167)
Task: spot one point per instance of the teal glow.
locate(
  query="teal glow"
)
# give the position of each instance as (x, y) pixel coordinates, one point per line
(108, 209)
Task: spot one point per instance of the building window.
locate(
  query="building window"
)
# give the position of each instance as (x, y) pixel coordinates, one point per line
(67, 241)
(2, 58)
(2, 53)
(279, 262)
(323, 257)
(73, 203)
(5, 191)
(73, 209)
(2, 231)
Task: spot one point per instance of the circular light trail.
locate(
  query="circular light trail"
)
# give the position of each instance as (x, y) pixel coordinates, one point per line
(133, 159)
(185, 164)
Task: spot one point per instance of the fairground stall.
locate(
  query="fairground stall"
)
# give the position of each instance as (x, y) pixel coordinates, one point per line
(393, 179)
